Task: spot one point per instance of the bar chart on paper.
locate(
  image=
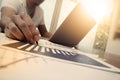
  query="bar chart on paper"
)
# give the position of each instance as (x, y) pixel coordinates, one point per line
(16, 52)
(55, 53)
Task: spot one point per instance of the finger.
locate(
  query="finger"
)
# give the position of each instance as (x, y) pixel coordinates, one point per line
(8, 34)
(35, 33)
(27, 19)
(24, 28)
(31, 26)
(14, 31)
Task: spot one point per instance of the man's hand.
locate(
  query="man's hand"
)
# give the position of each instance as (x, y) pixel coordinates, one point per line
(22, 28)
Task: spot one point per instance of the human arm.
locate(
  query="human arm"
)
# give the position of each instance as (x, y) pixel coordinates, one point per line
(43, 31)
(19, 26)
(38, 19)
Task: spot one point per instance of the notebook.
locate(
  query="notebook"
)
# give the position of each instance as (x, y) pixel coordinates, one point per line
(74, 28)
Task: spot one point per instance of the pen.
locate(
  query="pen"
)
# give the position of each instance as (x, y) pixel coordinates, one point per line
(37, 42)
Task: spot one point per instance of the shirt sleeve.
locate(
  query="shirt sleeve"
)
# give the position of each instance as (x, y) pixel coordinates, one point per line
(14, 4)
(38, 17)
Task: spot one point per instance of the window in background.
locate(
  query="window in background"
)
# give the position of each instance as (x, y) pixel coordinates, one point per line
(48, 7)
(66, 8)
(61, 11)
(56, 15)
(102, 34)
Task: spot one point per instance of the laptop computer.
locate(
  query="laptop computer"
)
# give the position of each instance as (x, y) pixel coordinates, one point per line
(74, 28)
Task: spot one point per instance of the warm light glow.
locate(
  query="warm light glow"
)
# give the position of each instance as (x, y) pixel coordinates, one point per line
(97, 8)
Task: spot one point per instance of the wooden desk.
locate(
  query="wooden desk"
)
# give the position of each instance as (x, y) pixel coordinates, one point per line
(21, 65)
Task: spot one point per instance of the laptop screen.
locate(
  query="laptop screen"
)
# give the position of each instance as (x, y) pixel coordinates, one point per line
(74, 28)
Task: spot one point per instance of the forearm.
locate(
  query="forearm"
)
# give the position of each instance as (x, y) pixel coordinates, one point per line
(42, 29)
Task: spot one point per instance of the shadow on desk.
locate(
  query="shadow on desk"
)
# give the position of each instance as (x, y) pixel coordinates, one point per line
(113, 59)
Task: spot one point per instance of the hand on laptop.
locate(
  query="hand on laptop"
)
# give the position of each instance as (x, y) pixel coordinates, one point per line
(21, 27)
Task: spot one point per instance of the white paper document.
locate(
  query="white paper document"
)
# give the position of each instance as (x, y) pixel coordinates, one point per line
(49, 61)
